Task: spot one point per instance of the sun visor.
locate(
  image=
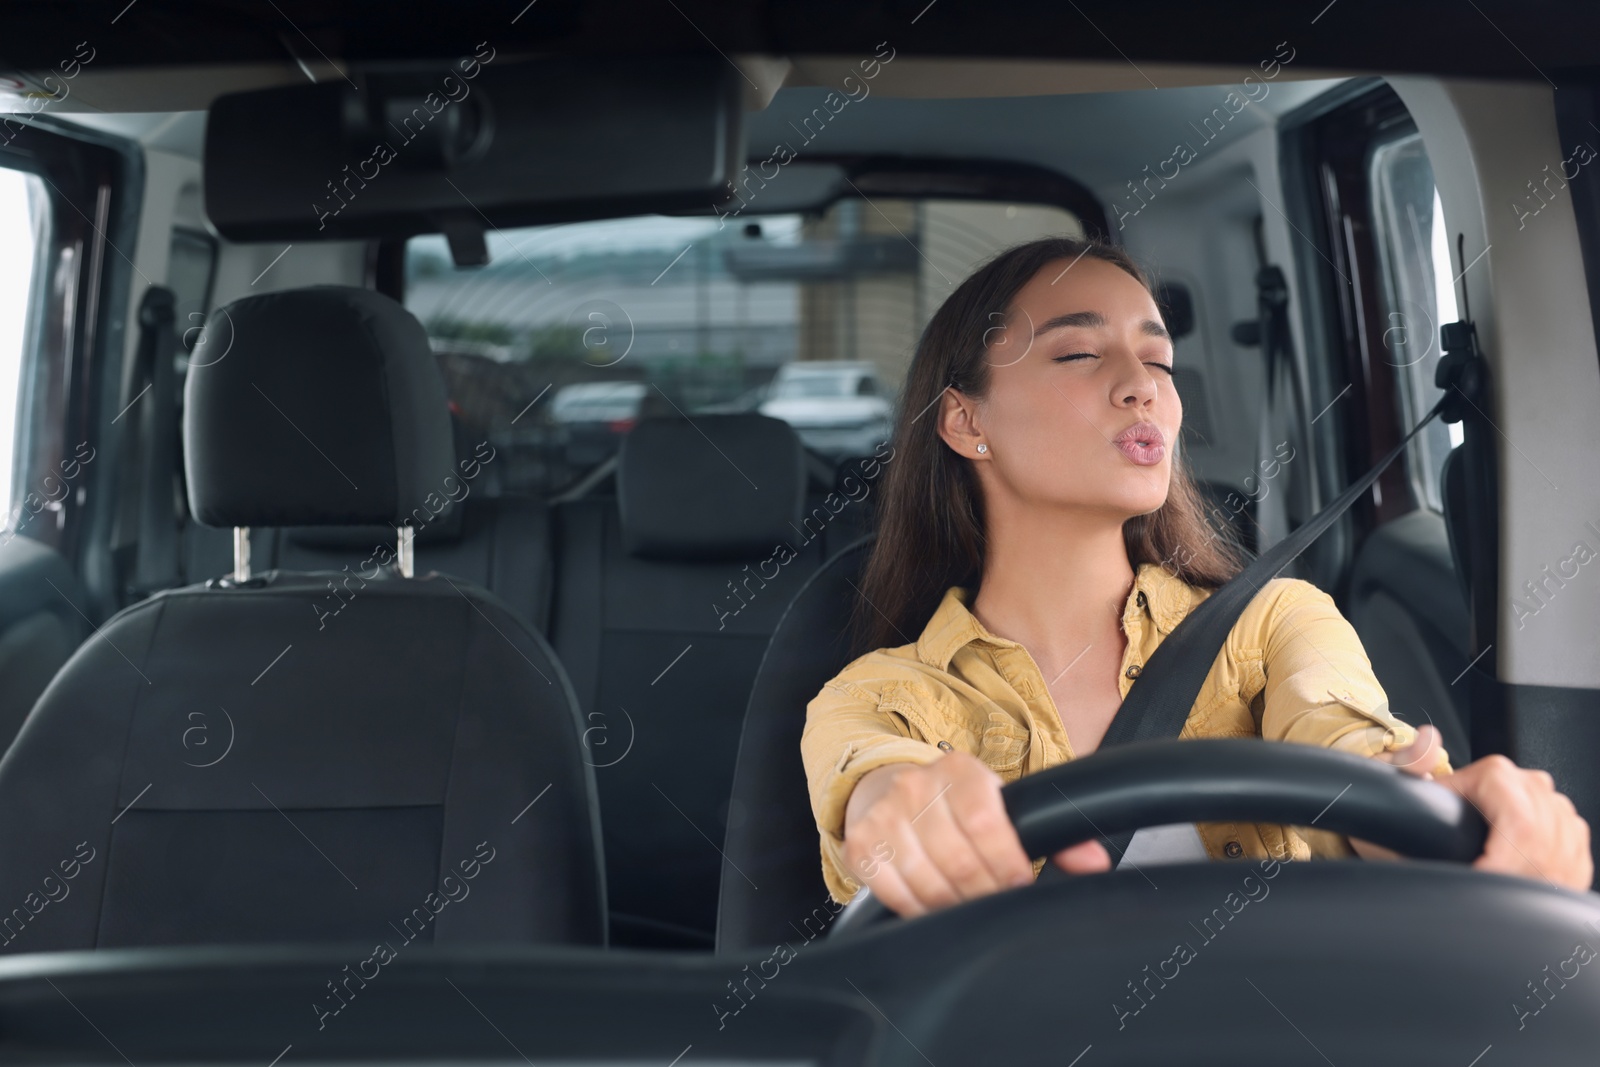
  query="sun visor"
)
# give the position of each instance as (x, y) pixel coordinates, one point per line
(478, 143)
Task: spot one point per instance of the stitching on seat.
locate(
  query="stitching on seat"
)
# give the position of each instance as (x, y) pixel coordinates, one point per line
(122, 765)
(455, 748)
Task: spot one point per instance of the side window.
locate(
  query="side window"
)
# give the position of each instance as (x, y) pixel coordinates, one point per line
(24, 215)
(1418, 295)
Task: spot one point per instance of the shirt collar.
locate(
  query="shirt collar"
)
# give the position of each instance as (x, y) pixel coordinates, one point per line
(1160, 596)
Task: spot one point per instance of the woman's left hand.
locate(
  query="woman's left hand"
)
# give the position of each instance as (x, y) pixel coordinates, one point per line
(1534, 831)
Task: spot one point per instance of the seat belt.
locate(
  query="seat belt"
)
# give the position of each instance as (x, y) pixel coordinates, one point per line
(1283, 395)
(1159, 702)
(145, 541)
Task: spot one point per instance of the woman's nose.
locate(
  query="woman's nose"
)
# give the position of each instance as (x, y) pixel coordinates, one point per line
(1136, 388)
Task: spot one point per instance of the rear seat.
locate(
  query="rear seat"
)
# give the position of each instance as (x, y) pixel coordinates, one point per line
(637, 595)
(669, 583)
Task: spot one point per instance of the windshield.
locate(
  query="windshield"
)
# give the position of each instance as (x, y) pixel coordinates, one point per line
(697, 316)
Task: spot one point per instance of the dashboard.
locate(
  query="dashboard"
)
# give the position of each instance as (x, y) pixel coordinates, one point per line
(1341, 962)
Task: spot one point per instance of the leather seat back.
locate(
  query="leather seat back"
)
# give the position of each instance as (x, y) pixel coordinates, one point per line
(772, 836)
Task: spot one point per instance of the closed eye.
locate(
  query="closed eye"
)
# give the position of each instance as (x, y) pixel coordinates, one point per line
(1075, 356)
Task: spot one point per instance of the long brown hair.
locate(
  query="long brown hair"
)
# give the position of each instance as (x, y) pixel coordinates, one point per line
(931, 517)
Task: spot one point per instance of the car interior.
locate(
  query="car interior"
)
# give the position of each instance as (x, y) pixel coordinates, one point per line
(397, 488)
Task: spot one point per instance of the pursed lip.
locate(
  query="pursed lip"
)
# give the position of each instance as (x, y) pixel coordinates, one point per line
(1143, 432)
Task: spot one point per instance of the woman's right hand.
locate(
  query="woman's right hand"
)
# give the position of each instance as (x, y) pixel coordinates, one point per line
(926, 836)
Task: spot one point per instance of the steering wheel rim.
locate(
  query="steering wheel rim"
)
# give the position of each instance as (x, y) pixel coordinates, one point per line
(1152, 783)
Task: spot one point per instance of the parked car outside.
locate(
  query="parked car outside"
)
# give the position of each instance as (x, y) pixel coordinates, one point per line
(839, 407)
(595, 416)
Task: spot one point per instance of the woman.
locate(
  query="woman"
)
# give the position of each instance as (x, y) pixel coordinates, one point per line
(1038, 538)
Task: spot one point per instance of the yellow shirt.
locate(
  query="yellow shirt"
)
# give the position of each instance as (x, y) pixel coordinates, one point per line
(1292, 670)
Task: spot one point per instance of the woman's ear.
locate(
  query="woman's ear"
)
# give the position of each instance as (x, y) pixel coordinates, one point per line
(959, 423)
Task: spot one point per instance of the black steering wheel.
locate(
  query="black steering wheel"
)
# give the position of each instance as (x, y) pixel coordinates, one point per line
(1151, 783)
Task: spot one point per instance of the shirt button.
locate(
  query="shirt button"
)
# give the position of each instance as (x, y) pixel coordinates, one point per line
(1233, 849)
(1134, 671)
(947, 746)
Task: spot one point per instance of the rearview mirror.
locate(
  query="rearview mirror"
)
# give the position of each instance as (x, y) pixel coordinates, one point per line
(458, 148)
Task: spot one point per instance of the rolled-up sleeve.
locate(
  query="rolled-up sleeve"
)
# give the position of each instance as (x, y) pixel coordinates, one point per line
(1321, 690)
(848, 734)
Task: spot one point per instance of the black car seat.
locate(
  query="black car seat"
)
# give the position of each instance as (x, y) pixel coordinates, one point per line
(667, 591)
(772, 835)
(223, 763)
(39, 624)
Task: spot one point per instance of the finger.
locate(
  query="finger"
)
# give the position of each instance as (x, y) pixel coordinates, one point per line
(1421, 755)
(1576, 866)
(1580, 866)
(947, 844)
(889, 887)
(1368, 851)
(1086, 857)
(982, 818)
(1519, 842)
(1583, 877)
(921, 873)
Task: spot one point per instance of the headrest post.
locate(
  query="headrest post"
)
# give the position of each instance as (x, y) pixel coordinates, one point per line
(405, 557)
(241, 554)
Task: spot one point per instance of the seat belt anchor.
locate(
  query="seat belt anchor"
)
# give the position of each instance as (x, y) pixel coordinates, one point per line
(1460, 370)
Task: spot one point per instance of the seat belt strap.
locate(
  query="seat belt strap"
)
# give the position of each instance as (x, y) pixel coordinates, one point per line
(147, 521)
(1283, 406)
(158, 515)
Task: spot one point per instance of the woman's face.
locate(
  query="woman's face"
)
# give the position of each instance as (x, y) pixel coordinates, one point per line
(1081, 411)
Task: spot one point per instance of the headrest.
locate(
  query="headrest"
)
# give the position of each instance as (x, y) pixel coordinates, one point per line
(447, 527)
(711, 487)
(319, 406)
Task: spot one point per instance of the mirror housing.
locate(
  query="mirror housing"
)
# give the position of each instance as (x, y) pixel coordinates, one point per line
(458, 148)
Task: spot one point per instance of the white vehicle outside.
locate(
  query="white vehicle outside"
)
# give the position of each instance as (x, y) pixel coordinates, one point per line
(838, 407)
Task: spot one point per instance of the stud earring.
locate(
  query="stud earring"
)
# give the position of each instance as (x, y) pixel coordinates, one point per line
(983, 448)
